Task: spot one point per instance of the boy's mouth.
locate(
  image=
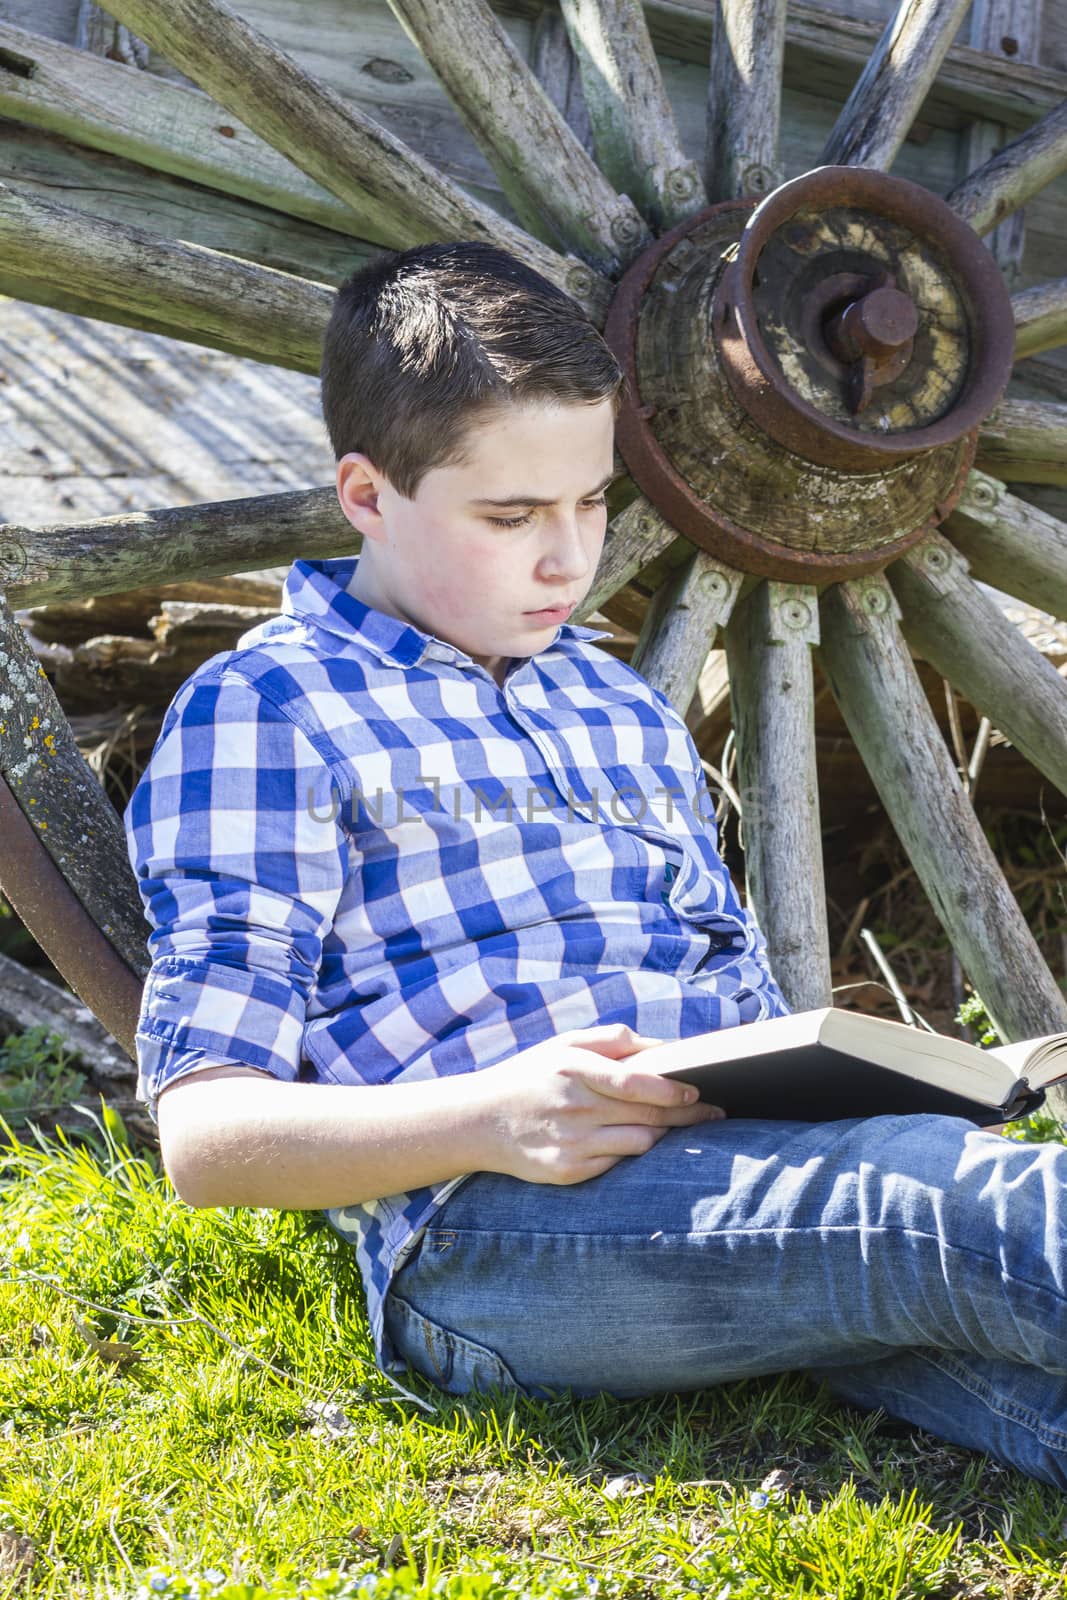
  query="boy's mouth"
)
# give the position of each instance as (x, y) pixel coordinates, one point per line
(554, 613)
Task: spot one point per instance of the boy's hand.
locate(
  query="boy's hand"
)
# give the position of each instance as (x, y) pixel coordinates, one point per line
(572, 1106)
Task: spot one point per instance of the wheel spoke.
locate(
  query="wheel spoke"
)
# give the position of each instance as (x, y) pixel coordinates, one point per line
(636, 136)
(744, 99)
(268, 315)
(680, 625)
(1025, 441)
(398, 197)
(635, 538)
(165, 126)
(72, 561)
(1010, 178)
(874, 681)
(882, 107)
(1011, 544)
(543, 169)
(1040, 318)
(960, 630)
(768, 646)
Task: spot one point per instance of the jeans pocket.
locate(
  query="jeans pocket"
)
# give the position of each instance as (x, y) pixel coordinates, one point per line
(449, 1360)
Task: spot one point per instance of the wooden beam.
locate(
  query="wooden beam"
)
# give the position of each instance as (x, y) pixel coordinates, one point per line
(768, 647)
(634, 127)
(162, 125)
(30, 1000)
(109, 555)
(1024, 441)
(1010, 178)
(680, 625)
(874, 681)
(1040, 318)
(744, 99)
(893, 85)
(1011, 544)
(952, 623)
(61, 797)
(399, 197)
(269, 315)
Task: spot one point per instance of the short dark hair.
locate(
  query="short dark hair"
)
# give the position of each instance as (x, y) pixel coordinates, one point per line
(424, 342)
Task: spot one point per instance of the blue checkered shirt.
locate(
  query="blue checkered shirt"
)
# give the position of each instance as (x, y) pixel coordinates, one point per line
(365, 862)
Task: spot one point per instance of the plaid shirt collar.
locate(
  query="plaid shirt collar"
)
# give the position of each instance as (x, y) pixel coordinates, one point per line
(319, 592)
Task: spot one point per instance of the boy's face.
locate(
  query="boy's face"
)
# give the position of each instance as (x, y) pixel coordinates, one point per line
(472, 573)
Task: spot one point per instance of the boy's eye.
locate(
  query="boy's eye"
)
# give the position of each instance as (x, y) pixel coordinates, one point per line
(520, 522)
(509, 522)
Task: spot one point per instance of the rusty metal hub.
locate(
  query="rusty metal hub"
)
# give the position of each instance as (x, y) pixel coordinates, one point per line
(807, 374)
(927, 313)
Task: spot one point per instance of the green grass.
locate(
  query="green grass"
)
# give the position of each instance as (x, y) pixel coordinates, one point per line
(189, 1406)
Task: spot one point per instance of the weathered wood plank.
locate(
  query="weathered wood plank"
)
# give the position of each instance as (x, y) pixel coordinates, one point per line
(400, 198)
(873, 680)
(894, 83)
(100, 35)
(825, 50)
(109, 555)
(768, 647)
(680, 625)
(556, 69)
(1040, 318)
(1011, 28)
(1024, 441)
(1009, 179)
(959, 629)
(744, 99)
(1011, 545)
(633, 122)
(540, 165)
(54, 19)
(269, 315)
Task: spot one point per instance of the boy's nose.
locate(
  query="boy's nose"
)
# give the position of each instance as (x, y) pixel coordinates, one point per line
(566, 550)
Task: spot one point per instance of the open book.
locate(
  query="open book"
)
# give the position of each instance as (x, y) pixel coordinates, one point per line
(815, 1066)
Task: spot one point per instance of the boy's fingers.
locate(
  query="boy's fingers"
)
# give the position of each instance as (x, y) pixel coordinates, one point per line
(646, 1088)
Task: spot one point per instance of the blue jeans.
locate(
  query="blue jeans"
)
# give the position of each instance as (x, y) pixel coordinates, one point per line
(916, 1263)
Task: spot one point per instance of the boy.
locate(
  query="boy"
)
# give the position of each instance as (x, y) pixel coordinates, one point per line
(419, 836)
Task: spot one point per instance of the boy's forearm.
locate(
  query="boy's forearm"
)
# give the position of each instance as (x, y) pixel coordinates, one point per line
(254, 1141)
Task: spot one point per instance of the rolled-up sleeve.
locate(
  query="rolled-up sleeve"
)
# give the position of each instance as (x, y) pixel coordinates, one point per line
(233, 834)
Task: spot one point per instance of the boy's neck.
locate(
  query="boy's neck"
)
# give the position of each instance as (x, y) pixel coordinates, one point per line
(364, 588)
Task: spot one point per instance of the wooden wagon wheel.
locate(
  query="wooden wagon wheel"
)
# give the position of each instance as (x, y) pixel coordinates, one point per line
(813, 367)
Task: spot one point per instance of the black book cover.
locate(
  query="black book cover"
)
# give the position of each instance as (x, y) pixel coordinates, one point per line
(814, 1083)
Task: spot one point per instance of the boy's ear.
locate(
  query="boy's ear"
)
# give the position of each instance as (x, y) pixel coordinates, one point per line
(358, 486)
